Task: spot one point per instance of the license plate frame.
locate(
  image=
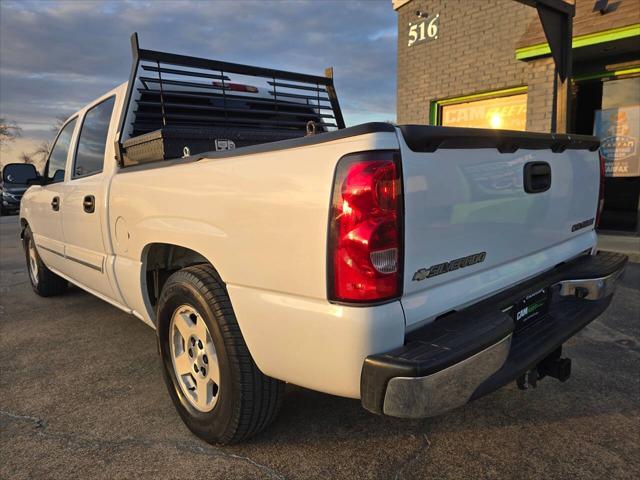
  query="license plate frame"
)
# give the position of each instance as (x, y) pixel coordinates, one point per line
(532, 308)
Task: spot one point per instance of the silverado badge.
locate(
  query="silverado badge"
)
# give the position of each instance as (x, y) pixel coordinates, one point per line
(440, 268)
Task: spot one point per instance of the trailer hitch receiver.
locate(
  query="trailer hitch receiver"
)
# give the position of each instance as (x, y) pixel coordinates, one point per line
(553, 365)
(559, 368)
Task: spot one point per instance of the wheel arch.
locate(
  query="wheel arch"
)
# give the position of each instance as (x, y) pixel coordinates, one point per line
(161, 259)
(23, 227)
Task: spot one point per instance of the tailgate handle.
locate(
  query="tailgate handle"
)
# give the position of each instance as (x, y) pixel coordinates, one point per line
(537, 177)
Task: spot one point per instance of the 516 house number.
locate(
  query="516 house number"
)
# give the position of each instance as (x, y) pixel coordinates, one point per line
(423, 30)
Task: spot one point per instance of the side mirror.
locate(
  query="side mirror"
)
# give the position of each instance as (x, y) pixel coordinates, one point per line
(37, 181)
(20, 173)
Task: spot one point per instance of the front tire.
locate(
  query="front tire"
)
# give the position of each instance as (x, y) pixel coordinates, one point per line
(213, 381)
(43, 281)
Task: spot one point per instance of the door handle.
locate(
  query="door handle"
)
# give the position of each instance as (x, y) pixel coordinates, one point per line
(89, 203)
(537, 177)
(55, 204)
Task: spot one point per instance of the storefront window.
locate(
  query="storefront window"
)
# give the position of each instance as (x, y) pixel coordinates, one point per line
(618, 126)
(508, 113)
(621, 93)
(609, 107)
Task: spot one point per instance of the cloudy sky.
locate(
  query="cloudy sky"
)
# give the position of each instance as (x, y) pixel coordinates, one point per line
(57, 56)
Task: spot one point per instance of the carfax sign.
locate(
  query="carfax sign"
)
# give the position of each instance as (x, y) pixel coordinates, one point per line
(619, 132)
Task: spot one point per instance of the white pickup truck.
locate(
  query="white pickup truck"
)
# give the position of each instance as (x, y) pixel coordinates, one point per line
(412, 267)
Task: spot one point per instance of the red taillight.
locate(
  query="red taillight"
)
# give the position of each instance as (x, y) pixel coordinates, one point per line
(365, 230)
(601, 192)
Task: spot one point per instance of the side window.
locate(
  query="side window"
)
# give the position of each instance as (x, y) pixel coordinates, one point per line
(57, 163)
(93, 139)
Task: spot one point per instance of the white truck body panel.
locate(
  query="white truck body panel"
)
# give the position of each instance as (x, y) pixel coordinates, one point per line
(311, 342)
(460, 202)
(269, 245)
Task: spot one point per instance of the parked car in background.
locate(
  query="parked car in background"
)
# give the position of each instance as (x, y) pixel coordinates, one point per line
(13, 185)
(412, 267)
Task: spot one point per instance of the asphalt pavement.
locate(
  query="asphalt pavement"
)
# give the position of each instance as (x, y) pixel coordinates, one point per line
(82, 396)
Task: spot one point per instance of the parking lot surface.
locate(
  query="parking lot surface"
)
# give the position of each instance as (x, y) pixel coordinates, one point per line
(81, 395)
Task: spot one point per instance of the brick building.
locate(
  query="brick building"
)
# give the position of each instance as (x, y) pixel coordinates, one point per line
(486, 63)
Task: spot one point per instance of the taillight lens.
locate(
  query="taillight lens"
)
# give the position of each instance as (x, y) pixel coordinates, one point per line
(365, 230)
(601, 192)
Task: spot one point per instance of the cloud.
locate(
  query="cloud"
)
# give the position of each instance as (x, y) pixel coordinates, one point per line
(57, 56)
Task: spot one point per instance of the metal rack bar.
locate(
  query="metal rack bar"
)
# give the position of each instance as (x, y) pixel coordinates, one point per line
(150, 68)
(169, 93)
(181, 90)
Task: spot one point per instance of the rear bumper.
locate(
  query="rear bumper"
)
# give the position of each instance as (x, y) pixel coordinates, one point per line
(475, 351)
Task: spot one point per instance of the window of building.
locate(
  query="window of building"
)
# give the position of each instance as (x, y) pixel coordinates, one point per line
(93, 139)
(504, 112)
(617, 124)
(608, 106)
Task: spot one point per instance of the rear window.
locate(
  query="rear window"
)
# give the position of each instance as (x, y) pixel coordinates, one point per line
(93, 139)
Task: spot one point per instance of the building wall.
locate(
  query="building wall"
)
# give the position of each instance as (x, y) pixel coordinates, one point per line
(620, 13)
(474, 53)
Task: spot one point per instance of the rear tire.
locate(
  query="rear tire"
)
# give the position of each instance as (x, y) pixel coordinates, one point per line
(43, 281)
(196, 321)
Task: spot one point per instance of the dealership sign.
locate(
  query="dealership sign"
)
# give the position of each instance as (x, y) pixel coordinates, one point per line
(508, 113)
(619, 132)
(424, 29)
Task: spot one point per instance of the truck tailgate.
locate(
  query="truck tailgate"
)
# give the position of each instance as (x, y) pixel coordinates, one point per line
(471, 226)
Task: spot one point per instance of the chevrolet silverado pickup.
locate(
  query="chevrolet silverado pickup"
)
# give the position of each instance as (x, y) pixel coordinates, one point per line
(415, 268)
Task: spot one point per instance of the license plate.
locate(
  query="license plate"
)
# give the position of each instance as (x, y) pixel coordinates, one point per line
(531, 308)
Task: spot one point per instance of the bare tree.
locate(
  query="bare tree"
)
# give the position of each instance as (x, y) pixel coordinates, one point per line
(9, 131)
(42, 150)
(60, 119)
(40, 154)
(25, 158)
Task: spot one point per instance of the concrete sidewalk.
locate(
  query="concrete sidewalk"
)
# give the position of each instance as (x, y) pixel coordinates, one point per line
(627, 244)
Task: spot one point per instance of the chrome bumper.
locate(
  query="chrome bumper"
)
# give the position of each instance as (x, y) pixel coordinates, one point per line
(454, 386)
(590, 289)
(418, 397)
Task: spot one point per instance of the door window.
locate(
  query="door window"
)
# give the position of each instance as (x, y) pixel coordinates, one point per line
(93, 139)
(57, 163)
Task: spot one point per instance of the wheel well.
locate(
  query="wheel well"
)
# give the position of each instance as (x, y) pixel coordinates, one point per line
(163, 259)
(23, 226)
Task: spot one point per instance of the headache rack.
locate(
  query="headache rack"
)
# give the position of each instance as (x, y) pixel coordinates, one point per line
(178, 105)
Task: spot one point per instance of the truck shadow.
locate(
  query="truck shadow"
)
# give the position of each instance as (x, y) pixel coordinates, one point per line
(306, 414)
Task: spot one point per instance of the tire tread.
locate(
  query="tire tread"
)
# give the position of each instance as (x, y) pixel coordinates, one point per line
(260, 395)
(49, 284)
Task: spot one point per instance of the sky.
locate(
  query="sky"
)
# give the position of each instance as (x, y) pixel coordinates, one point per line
(56, 56)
